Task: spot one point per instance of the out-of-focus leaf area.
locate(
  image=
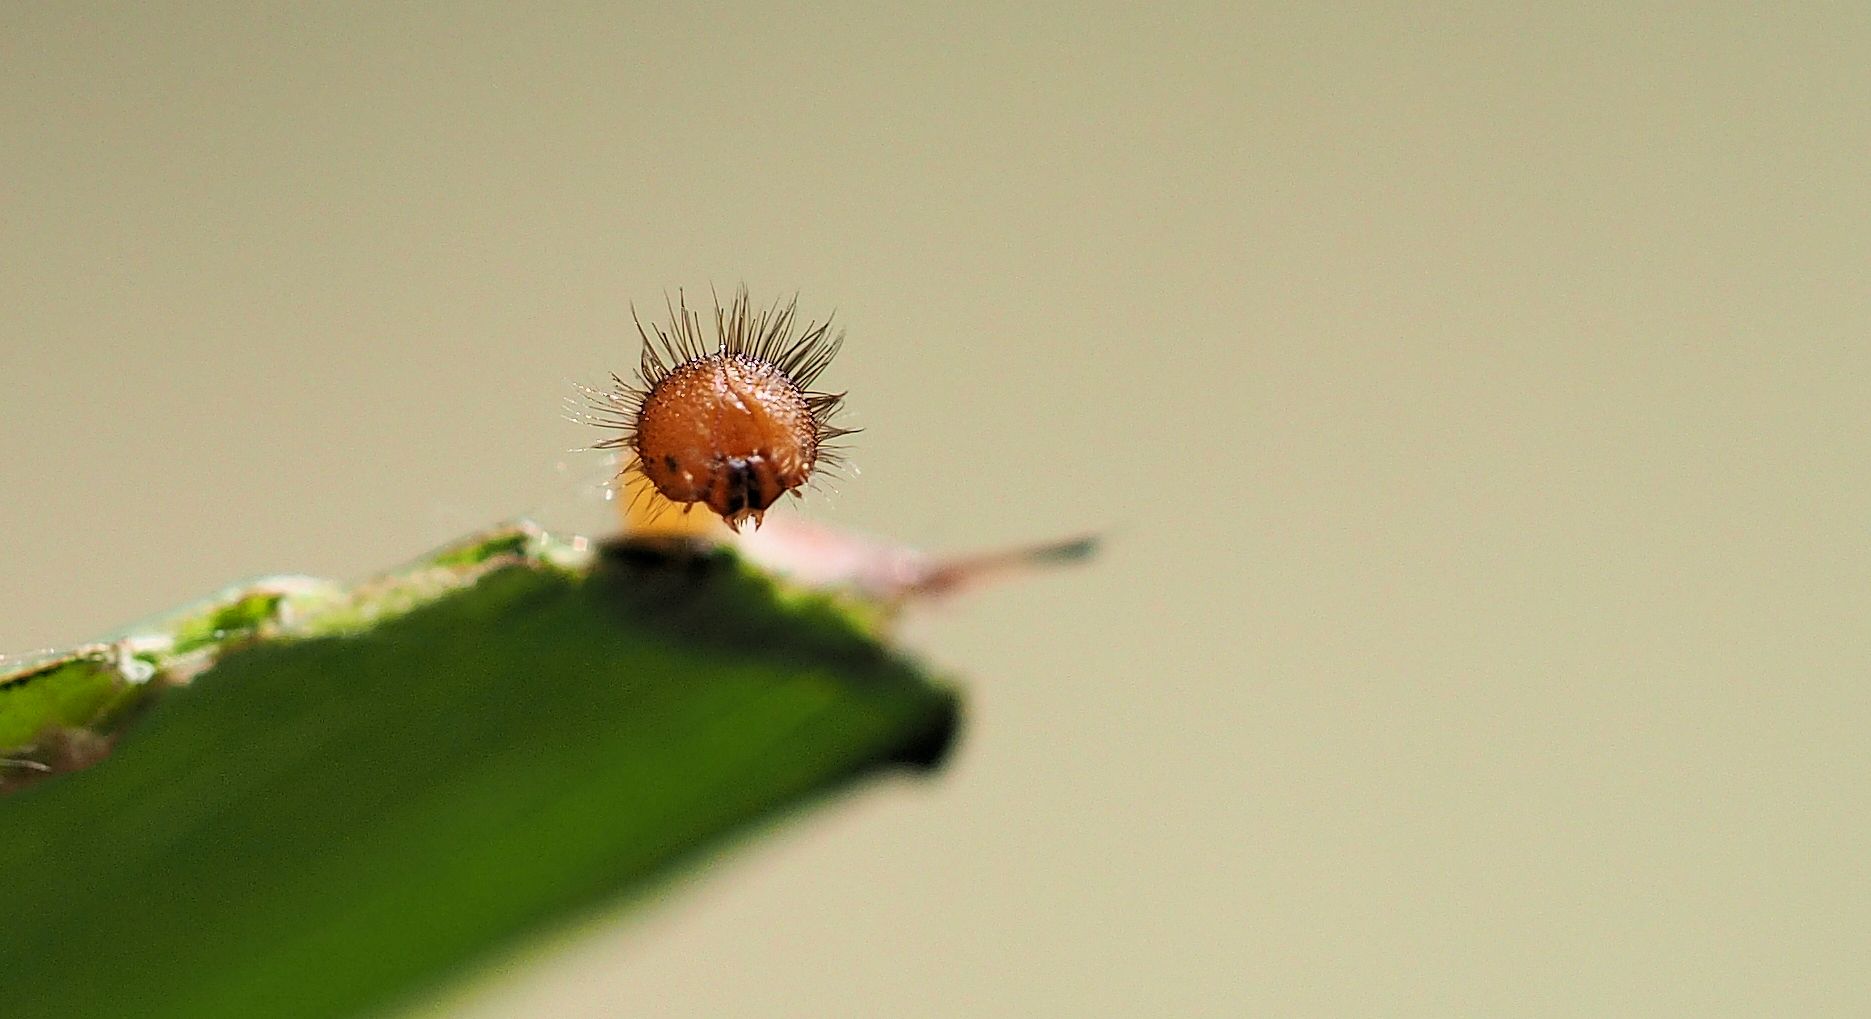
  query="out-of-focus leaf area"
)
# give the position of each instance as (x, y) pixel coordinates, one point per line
(303, 800)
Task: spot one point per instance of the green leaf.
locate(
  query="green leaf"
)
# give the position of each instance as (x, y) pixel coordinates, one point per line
(360, 793)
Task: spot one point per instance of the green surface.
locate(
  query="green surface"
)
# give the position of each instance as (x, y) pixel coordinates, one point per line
(321, 824)
(80, 689)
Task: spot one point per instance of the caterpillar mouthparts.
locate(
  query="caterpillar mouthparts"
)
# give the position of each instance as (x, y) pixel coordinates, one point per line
(733, 428)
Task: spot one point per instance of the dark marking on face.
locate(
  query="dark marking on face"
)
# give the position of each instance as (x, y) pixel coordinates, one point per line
(740, 483)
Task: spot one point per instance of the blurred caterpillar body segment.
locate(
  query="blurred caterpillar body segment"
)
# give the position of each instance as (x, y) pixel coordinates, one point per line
(644, 511)
(730, 422)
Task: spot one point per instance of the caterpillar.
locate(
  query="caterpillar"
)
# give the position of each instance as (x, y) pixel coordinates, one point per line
(734, 422)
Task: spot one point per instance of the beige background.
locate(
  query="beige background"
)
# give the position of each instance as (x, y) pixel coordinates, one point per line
(1476, 403)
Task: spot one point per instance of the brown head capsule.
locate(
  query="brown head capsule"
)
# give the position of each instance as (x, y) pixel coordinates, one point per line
(733, 427)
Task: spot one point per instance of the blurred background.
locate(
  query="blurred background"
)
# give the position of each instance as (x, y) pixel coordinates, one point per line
(1475, 405)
